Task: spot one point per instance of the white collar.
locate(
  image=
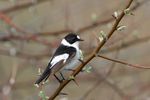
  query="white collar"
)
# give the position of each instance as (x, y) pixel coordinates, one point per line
(75, 45)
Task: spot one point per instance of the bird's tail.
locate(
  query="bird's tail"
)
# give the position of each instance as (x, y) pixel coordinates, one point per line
(44, 75)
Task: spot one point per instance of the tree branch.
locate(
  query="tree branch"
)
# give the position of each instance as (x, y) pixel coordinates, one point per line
(122, 62)
(79, 68)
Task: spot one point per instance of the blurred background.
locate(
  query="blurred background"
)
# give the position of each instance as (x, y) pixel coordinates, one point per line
(31, 30)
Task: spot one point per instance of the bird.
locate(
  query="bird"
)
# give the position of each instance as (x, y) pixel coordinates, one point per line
(66, 56)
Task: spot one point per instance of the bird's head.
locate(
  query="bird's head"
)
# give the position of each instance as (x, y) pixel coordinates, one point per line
(71, 39)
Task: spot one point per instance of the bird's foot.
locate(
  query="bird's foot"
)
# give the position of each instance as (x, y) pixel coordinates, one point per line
(81, 61)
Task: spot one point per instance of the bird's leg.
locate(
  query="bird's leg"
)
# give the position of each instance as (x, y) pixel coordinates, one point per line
(62, 93)
(81, 61)
(57, 79)
(63, 78)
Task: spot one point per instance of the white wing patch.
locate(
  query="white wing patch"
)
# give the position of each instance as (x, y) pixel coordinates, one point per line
(59, 58)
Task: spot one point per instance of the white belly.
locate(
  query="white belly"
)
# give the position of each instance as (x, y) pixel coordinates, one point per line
(74, 62)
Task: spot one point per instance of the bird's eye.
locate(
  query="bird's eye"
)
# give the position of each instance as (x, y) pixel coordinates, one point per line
(78, 37)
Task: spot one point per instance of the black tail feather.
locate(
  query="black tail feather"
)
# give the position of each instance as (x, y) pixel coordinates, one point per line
(45, 75)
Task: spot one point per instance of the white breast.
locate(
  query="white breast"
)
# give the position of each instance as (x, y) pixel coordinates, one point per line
(74, 62)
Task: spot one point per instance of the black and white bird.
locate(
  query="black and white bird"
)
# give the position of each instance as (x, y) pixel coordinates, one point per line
(66, 56)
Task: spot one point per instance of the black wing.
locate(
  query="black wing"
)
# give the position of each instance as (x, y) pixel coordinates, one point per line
(44, 75)
(60, 50)
(64, 49)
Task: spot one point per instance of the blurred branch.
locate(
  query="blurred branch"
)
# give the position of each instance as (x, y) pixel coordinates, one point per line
(97, 23)
(104, 51)
(7, 88)
(113, 85)
(30, 37)
(8, 20)
(102, 78)
(25, 55)
(53, 33)
(126, 44)
(86, 28)
(21, 6)
(79, 68)
(30, 3)
(26, 37)
(34, 37)
(93, 25)
(106, 80)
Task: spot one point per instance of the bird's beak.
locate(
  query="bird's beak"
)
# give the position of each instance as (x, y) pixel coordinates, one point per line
(81, 40)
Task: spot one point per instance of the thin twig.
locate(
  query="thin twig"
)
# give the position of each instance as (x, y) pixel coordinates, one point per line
(122, 62)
